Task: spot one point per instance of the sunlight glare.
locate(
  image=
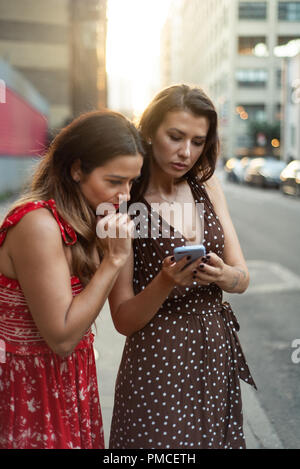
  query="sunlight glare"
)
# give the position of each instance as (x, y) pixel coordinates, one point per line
(133, 48)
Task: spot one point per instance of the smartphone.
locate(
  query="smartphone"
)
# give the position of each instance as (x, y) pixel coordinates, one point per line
(196, 251)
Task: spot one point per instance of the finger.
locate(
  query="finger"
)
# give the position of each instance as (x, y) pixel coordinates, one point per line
(130, 229)
(202, 279)
(110, 219)
(213, 259)
(168, 261)
(122, 227)
(124, 217)
(107, 226)
(115, 220)
(104, 219)
(182, 264)
(209, 270)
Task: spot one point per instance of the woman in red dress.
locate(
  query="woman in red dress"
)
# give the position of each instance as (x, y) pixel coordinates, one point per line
(55, 277)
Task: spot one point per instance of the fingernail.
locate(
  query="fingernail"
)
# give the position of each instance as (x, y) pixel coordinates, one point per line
(194, 276)
(172, 258)
(188, 258)
(195, 272)
(208, 257)
(201, 266)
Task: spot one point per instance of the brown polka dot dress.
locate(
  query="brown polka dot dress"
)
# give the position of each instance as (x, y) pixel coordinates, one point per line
(178, 385)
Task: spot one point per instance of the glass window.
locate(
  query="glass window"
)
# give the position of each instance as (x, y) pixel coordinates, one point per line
(253, 78)
(253, 45)
(288, 46)
(278, 78)
(278, 112)
(247, 112)
(252, 10)
(284, 40)
(289, 11)
(293, 135)
(243, 140)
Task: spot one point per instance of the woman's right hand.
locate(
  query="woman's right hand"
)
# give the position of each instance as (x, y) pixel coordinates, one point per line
(115, 232)
(175, 273)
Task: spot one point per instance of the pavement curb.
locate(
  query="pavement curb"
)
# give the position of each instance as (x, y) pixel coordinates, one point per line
(259, 432)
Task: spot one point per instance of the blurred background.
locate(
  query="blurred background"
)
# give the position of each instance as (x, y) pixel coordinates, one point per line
(59, 58)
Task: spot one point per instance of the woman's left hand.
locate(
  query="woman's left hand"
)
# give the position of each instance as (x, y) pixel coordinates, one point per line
(211, 270)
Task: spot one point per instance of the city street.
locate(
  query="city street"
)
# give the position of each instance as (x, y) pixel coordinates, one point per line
(269, 231)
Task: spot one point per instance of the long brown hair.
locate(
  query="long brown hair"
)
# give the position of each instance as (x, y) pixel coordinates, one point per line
(93, 138)
(177, 98)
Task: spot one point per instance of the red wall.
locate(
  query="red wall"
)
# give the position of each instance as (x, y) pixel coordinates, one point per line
(23, 130)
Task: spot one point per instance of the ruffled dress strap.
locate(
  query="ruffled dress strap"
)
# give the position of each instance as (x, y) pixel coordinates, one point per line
(68, 234)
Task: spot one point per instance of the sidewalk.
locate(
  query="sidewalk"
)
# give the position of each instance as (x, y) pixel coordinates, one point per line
(259, 432)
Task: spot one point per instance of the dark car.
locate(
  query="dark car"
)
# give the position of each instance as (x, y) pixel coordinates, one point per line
(264, 172)
(290, 179)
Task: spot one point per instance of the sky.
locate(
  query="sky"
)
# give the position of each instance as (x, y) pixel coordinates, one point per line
(133, 40)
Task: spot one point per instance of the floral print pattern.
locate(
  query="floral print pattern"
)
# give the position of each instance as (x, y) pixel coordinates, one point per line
(45, 401)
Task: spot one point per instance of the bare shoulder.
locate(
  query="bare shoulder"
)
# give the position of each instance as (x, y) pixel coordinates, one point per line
(37, 226)
(214, 189)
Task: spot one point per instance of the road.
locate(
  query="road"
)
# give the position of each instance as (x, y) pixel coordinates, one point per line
(268, 226)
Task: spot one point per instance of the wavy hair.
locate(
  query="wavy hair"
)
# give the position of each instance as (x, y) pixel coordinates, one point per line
(93, 138)
(179, 98)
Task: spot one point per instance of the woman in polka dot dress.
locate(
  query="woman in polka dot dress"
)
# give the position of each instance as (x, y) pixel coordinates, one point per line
(178, 385)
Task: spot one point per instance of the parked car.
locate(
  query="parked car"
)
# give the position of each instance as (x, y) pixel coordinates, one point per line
(235, 169)
(230, 166)
(290, 179)
(264, 172)
(242, 168)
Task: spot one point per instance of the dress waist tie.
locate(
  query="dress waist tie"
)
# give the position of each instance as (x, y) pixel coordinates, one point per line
(232, 327)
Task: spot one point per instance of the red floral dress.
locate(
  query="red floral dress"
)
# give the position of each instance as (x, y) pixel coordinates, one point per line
(45, 401)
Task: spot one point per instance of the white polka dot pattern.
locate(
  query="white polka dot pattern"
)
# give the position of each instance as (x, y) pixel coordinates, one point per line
(178, 383)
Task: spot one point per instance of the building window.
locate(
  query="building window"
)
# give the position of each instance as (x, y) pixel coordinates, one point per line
(254, 112)
(288, 46)
(253, 45)
(252, 10)
(252, 78)
(279, 78)
(278, 112)
(289, 11)
(243, 141)
(293, 135)
(284, 40)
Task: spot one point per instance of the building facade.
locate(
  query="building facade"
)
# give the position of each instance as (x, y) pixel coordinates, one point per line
(231, 49)
(55, 45)
(291, 109)
(88, 55)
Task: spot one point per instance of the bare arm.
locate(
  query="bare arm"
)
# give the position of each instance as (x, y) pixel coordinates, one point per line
(234, 276)
(36, 249)
(131, 313)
